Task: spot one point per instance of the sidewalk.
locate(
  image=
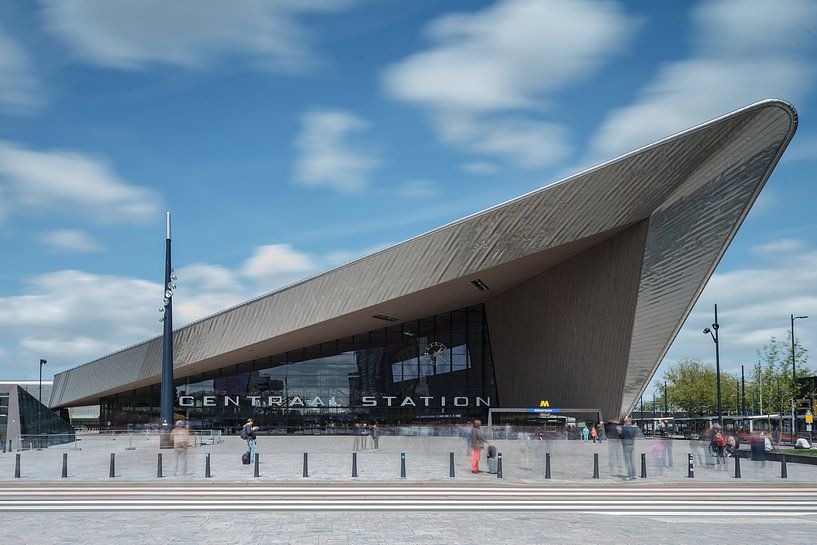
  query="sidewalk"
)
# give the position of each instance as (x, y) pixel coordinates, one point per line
(330, 460)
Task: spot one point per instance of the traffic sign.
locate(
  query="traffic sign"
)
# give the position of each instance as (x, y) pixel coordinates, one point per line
(809, 417)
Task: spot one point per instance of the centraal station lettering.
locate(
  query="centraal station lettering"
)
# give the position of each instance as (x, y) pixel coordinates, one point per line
(318, 402)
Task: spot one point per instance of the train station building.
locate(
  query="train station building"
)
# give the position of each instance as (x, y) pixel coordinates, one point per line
(572, 294)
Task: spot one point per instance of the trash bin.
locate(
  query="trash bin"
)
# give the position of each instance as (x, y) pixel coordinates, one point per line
(492, 459)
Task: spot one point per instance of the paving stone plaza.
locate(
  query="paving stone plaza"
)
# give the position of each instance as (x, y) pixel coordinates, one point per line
(427, 459)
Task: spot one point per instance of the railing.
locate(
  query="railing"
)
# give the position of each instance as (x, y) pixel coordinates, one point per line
(43, 440)
(132, 438)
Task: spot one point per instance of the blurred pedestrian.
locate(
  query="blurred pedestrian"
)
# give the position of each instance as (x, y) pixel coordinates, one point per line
(364, 436)
(628, 435)
(613, 432)
(375, 433)
(356, 437)
(477, 444)
(594, 434)
(585, 434)
(718, 446)
(181, 441)
(657, 450)
(466, 432)
(758, 448)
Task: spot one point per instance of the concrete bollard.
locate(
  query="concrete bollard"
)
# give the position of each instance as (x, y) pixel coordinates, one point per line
(595, 465)
(17, 466)
(354, 464)
(112, 468)
(402, 465)
(306, 465)
(256, 472)
(691, 466)
(499, 465)
(784, 473)
(10, 449)
(451, 464)
(207, 466)
(159, 467)
(64, 465)
(643, 465)
(547, 465)
(737, 466)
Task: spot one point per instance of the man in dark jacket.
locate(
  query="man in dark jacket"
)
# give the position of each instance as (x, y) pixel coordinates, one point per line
(627, 436)
(248, 432)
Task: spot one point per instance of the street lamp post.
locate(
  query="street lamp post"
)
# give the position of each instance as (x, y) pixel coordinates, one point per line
(715, 327)
(666, 399)
(737, 395)
(742, 392)
(40, 399)
(166, 396)
(793, 379)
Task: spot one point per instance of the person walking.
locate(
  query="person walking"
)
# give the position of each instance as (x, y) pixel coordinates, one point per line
(613, 433)
(364, 436)
(356, 437)
(375, 433)
(628, 434)
(477, 444)
(758, 447)
(466, 432)
(594, 434)
(718, 447)
(248, 433)
(181, 441)
(585, 434)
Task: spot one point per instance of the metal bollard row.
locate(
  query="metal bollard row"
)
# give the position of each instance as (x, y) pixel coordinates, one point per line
(452, 471)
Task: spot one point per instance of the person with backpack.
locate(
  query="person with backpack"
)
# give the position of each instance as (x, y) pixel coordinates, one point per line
(248, 434)
(719, 448)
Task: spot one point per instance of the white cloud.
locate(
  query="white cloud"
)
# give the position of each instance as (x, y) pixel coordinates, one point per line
(70, 241)
(71, 316)
(19, 92)
(754, 303)
(746, 50)
(781, 246)
(482, 168)
(204, 289)
(418, 189)
(327, 158)
(507, 58)
(72, 183)
(191, 33)
(276, 265)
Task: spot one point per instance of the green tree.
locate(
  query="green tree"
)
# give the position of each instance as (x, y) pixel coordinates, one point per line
(772, 375)
(691, 387)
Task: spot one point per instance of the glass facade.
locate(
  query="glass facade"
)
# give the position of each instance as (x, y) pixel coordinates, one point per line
(436, 369)
(4, 418)
(39, 425)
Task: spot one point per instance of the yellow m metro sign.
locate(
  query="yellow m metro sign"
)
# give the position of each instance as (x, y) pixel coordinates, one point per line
(544, 403)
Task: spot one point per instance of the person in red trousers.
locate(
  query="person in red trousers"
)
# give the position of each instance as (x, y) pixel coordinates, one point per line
(477, 444)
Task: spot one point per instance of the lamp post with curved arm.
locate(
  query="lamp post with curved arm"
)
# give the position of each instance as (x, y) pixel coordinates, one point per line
(714, 334)
(793, 381)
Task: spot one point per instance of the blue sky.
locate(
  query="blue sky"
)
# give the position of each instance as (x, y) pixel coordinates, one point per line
(290, 137)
